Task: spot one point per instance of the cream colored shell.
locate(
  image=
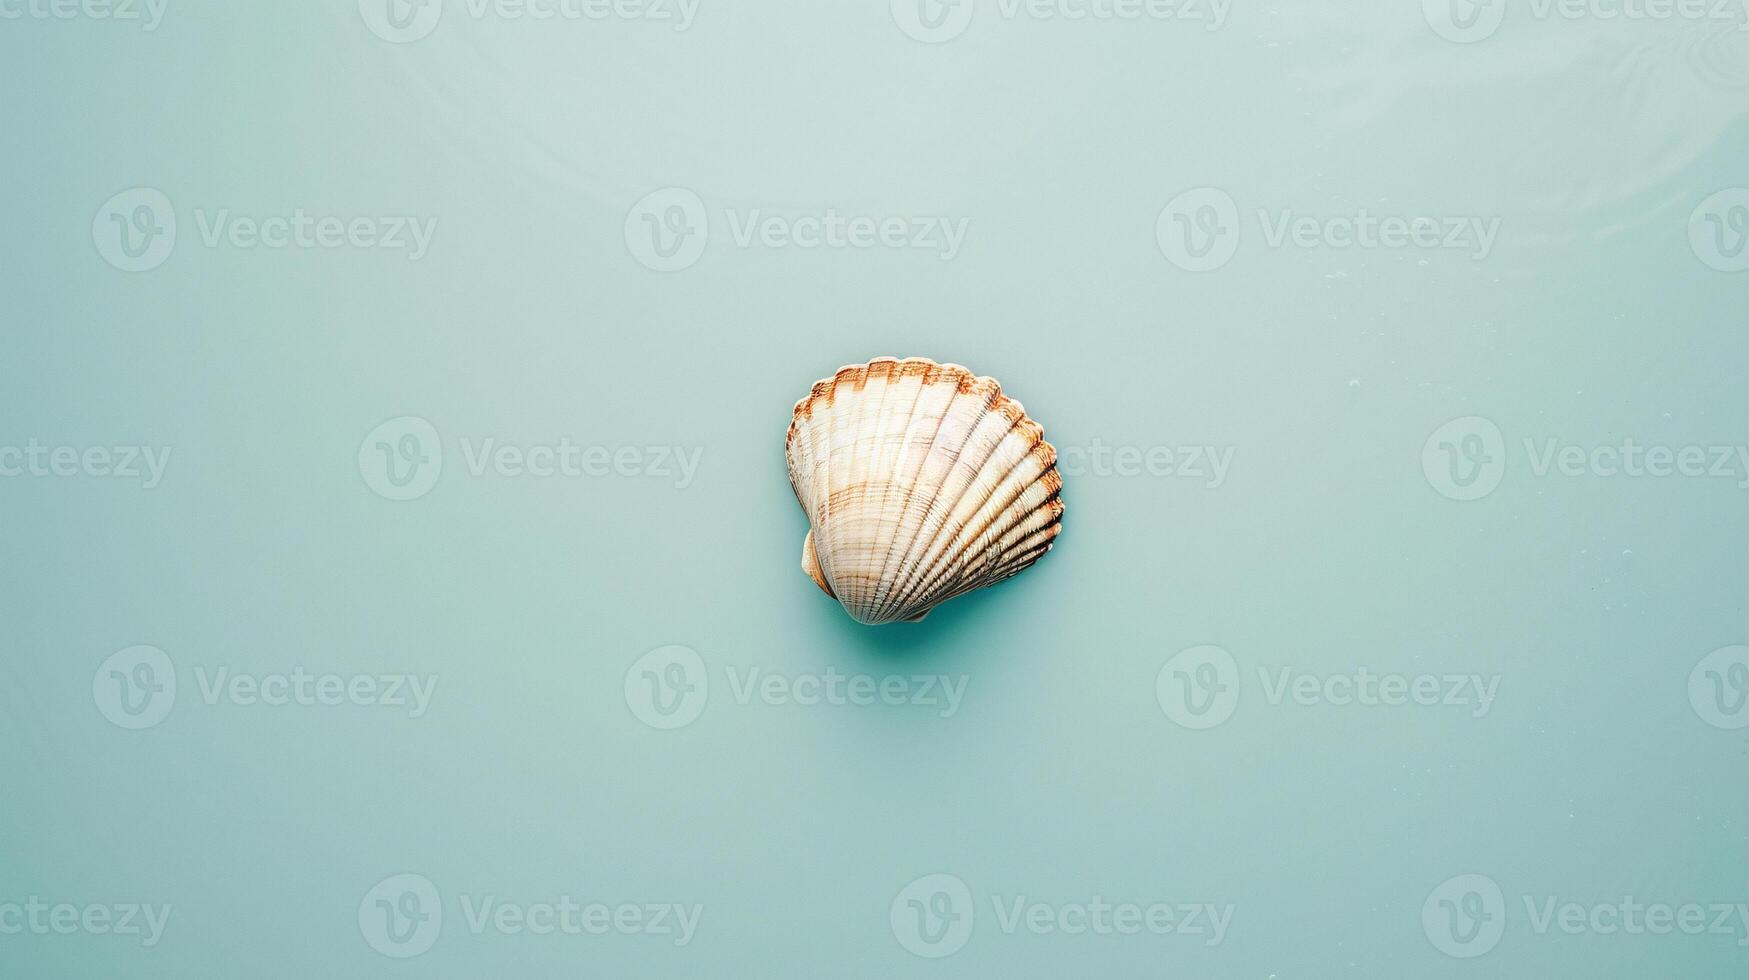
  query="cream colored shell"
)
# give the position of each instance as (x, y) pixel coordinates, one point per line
(921, 482)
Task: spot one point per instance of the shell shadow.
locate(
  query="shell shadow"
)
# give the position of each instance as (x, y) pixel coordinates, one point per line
(951, 633)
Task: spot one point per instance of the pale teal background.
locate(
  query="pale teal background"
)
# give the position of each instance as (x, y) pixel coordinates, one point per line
(1060, 778)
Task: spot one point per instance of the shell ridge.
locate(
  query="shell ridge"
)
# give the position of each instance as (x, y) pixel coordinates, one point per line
(1021, 563)
(845, 495)
(1038, 507)
(816, 462)
(1020, 547)
(995, 511)
(907, 509)
(1036, 492)
(864, 472)
(984, 524)
(799, 444)
(807, 420)
(923, 587)
(1016, 546)
(823, 530)
(887, 535)
(847, 386)
(917, 509)
(907, 601)
(940, 561)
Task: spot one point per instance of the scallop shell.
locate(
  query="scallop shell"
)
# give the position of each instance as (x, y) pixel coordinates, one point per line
(921, 482)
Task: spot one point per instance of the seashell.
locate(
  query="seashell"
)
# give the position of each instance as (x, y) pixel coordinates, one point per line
(921, 482)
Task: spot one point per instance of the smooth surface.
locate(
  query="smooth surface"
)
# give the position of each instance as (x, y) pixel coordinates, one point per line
(1324, 547)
